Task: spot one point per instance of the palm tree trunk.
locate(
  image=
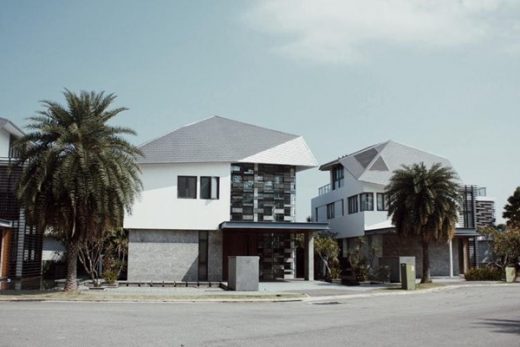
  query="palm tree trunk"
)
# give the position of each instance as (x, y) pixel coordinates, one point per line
(425, 263)
(72, 266)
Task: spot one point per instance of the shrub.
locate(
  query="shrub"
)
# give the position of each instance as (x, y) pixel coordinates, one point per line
(483, 274)
(110, 276)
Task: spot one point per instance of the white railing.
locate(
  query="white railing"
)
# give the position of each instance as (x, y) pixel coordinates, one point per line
(324, 189)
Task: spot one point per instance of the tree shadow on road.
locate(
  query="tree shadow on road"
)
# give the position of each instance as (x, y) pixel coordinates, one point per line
(503, 325)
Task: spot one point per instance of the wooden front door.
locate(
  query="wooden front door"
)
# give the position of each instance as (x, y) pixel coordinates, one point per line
(5, 251)
(237, 244)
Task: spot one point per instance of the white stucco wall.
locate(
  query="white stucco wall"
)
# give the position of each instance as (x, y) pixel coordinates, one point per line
(4, 143)
(159, 208)
(349, 225)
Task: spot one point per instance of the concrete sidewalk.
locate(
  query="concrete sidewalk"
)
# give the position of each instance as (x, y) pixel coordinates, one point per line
(269, 292)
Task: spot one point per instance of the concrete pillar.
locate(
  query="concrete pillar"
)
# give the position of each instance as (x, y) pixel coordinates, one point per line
(465, 254)
(450, 245)
(475, 246)
(309, 255)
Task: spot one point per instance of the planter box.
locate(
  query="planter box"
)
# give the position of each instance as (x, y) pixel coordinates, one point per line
(510, 274)
(243, 273)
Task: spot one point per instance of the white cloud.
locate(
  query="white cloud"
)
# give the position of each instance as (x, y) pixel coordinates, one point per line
(341, 30)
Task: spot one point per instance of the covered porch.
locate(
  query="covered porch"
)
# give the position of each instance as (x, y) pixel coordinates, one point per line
(451, 258)
(286, 250)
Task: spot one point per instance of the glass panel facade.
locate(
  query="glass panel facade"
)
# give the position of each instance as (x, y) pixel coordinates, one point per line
(263, 193)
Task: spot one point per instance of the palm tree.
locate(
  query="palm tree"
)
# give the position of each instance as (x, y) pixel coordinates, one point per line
(79, 173)
(423, 204)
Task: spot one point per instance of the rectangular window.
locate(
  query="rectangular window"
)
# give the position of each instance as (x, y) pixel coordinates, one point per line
(330, 211)
(316, 214)
(342, 207)
(382, 202)
(353, 204)
(203, 256)
(209, 187)
(337, 177)
(187, 187)
(366, 201)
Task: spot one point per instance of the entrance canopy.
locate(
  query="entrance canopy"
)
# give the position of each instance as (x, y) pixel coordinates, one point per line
(5, 223)
(274, 243)
(274, 226)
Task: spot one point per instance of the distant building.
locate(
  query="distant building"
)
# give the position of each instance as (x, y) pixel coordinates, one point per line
(354, 204)
(214, 189)
(20, 244)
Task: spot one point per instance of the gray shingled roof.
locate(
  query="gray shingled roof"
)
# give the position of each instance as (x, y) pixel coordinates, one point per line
(215, 139)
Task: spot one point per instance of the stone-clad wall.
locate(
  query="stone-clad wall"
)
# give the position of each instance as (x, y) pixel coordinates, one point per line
(163, 255)
(393, 246)
(215, 256)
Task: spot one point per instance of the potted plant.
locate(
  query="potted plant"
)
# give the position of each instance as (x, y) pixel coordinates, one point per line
(510, 273)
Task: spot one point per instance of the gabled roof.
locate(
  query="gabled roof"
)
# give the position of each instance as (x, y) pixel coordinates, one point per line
(375, 164)
(10, 127)
(219, 139)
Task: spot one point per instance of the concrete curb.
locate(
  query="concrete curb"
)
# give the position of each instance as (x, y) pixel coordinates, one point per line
(303, 298)
(386, 292)
(294, 297)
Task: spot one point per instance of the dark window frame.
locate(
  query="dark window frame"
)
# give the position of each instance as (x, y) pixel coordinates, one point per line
(338, 176)
(191, 196)
(353, 204)
(210, 179)
(383, 198)
(331, 210)
(369, 202)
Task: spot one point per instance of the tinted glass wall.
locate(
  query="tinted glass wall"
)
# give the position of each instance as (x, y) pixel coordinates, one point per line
(263, 193)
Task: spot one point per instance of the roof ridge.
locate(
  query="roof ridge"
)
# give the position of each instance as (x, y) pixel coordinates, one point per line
(417, 149)
(174, 130)
(255, 126)
(212, 117)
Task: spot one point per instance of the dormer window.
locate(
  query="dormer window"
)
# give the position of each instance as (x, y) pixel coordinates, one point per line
(337, 177)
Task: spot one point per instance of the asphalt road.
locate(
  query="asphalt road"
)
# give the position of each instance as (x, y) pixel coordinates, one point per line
(477, 316)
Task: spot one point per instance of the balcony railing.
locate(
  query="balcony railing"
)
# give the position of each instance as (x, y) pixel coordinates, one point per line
(324, 189)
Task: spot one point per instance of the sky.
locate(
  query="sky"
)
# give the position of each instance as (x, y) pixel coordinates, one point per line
(442, 76)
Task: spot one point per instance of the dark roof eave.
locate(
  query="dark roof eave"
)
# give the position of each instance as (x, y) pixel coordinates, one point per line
(282, 226)
(458, 231)
(5, 223)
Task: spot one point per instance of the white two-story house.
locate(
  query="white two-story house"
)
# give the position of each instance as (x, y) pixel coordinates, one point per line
(214, 189)
(354, 204)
